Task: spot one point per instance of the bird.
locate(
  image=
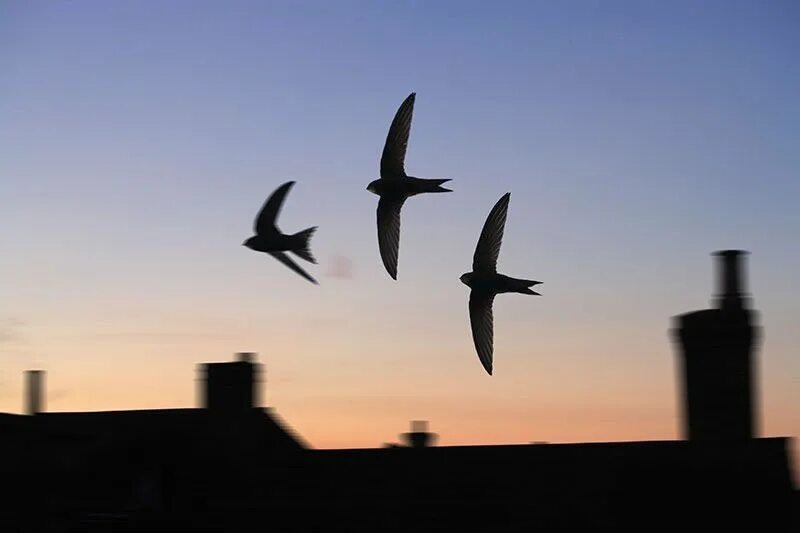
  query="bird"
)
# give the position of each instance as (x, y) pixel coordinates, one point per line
(395, 186)
(269, 239)
(486, 282)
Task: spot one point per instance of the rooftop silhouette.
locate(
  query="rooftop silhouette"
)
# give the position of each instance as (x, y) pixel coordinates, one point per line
(230, 463)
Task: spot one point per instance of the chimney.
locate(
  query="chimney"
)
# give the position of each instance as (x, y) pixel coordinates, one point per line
(34, 392)
(419, 437)
(246, 357)
(730, 264)
(717, 360)
(231, 387)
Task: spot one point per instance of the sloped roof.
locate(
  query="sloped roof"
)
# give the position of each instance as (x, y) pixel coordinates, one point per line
(159, 424)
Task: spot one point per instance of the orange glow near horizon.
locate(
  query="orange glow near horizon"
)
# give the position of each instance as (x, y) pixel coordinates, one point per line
(527, 400)
(363, 404)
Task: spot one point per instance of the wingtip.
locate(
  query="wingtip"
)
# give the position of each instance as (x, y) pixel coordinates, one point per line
(392, 275)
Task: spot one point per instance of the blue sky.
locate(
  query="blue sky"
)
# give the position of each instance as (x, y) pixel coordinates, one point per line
(139, 139)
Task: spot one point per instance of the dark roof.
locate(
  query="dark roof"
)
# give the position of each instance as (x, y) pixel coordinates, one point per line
(161, 424)
(594, 486)
(204, 466)
(589, 465)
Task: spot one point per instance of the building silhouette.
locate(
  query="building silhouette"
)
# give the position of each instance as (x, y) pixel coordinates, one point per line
(230, 465)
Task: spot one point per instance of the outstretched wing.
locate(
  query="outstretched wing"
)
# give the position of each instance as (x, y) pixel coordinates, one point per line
(286, 260)
(482, 322)
(488, 249)
(389, 232)
(265, 221)
(394, 151)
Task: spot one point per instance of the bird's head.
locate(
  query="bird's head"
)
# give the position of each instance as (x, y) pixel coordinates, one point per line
(249, 242)
(373, 187)
(466, 279)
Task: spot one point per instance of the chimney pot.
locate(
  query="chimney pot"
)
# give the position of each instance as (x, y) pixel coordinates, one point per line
(730, 279)
(34, 394)
(419, 437)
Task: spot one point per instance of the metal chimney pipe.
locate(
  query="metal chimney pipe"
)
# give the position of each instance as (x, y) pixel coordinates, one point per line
(34, 393)
(730, 276)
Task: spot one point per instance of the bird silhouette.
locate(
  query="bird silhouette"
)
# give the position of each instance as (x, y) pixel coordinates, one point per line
(269, 239)
(395, 186)
(485, 282)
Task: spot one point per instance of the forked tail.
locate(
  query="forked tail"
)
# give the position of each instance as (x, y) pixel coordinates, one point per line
(435, 185)
(525, 286)
(303, 249)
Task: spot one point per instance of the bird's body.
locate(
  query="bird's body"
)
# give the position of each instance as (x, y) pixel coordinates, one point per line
(486, 282)
(269, 239)
(498, 283)
(395, 186)
(402, 187)
(277, 242)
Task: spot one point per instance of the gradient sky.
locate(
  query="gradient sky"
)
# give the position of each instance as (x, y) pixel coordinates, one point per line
(139, 139)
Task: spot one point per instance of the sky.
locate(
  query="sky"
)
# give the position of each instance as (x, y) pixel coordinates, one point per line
(139, 139)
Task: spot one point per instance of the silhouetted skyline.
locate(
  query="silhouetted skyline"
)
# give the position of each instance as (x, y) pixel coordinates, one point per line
(229, 462)
(638, 138)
